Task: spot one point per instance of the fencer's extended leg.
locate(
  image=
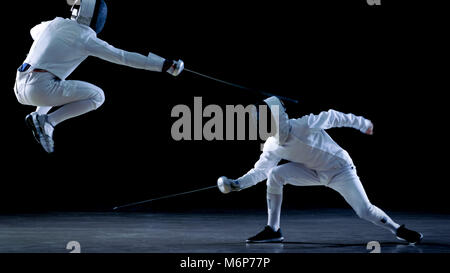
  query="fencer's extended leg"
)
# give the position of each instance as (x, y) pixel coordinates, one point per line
(349, 186)
(347, 183)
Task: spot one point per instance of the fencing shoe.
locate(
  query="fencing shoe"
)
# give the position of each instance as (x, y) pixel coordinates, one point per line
(268, 235)
(42, 130)
(30, 124)
(410, 236)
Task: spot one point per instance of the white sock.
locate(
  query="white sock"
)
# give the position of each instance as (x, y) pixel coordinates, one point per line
(43, 110)
(274, 210)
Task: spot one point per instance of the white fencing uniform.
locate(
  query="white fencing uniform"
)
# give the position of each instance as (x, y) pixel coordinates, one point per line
(316, 160)
(59, 47)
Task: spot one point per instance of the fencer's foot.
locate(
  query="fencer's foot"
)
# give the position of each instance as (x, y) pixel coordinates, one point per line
(268, 235)
(42, 130)
(410, 236)
(30, 124)
(227, 185)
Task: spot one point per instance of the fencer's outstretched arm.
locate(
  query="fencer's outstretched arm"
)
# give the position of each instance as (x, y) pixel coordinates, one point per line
(101, 49)
(260, 171)
(332, 118)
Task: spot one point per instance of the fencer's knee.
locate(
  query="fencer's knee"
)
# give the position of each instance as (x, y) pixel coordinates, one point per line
(99, 98)
(275, 182)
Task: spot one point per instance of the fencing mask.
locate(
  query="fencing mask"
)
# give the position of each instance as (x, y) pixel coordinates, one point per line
(91, 13)
(279, 117)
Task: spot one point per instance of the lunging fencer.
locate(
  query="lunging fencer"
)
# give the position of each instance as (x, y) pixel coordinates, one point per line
(59, 47)
(314, 160)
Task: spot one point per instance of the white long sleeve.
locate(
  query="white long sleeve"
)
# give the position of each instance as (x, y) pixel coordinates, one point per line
(266, 162)
(332, 118)
(61, 45)
(103, 50)
(307, 144)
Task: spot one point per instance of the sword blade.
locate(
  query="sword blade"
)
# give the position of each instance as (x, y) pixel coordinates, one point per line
(162, 197)
(240, 86)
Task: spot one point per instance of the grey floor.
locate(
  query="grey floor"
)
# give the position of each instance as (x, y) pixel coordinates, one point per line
(306, 231)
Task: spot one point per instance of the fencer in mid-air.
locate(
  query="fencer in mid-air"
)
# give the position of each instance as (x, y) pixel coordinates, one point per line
(314, 160)
(59, 47)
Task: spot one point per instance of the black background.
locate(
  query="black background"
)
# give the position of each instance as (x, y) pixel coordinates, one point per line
(383, 62)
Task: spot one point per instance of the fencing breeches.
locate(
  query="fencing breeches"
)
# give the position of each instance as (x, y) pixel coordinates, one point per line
(44, 90)
(344, 180)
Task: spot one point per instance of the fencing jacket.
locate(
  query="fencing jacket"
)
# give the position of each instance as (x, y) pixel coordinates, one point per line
(61, 45)
(307, 143)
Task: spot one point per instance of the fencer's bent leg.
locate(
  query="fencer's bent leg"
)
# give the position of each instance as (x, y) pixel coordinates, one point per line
(290, 173)
(347, 183)
(293, 173)
(274, 210)
(71, 110)
(85, 97)
(75, 97)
